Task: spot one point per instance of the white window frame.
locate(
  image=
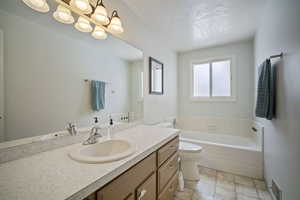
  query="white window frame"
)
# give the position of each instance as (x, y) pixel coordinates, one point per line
(141, 86)
(233, 82)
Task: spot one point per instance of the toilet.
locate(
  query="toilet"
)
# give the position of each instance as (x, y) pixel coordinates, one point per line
(189, 154)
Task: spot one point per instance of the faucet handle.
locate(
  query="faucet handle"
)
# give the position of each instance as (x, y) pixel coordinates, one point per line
(96, 120)
(72, 128)
(71, 124)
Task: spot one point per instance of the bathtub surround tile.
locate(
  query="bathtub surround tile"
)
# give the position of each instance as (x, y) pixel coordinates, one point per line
(244, 127)
(246, 190)
(230, 127)
(243, 180)
(216, 125)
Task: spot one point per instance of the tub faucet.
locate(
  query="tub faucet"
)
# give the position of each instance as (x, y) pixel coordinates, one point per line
(94, 134)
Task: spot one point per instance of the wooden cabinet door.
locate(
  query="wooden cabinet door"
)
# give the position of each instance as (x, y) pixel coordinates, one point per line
(117, 195)
(122, 187)
(169, 191)
(147, 191)
(167, 150)
(167, 171)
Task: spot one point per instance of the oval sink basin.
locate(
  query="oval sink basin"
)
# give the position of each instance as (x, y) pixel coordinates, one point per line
(106, 151)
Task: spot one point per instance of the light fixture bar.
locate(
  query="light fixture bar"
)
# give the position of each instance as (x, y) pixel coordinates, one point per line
(64, 4)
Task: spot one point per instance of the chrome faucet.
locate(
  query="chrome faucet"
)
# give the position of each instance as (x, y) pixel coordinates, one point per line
(94, 134)
(72, 128)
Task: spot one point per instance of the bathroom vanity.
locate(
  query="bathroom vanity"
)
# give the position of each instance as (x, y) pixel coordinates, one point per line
(148, 174)
(155, 176)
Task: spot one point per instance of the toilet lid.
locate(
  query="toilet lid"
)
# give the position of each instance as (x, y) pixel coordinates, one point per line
(187, 146)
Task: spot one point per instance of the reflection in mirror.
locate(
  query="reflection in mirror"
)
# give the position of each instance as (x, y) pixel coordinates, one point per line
(156, 76)
(45, 64)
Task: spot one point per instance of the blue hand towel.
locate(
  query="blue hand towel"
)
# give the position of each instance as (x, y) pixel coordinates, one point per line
(265, 103)
(97, 95)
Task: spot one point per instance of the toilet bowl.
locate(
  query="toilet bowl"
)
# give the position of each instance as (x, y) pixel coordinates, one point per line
(189, 154)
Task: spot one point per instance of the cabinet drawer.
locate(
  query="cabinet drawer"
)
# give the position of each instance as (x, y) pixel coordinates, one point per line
(166, 171)
(122, 187)
(169, 191)
(147, 191)
(166, 151)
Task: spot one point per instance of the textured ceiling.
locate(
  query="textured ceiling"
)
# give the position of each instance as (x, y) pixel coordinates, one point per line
(191, 24)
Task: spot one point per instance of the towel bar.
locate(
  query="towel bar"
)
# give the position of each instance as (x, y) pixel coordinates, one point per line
(87, 80)
(276, 56)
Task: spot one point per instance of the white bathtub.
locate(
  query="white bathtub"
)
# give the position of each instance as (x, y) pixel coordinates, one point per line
(229, 153)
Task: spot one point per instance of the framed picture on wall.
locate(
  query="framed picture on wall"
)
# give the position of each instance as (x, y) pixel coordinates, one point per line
(156, 77)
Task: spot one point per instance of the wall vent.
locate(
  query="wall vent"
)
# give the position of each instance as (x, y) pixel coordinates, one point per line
(277, 193)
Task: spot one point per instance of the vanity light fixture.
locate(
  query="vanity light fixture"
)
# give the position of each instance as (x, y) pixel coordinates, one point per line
(88, 13)
(82, 5)
(99, 33)
(38, 5)
(100, 14)
(63, 15)
(83, 25)
(115, 24)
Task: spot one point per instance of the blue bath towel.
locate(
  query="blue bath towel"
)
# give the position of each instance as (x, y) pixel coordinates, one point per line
(97, 95)
(266, 90)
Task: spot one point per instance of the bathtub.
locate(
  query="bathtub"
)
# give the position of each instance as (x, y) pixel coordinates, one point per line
(241, 155)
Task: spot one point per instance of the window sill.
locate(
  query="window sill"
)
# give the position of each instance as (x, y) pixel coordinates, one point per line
(200, 99)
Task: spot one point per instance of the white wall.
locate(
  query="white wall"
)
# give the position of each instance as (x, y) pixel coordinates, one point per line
(1, 89)
(280, 31)
(156, 107)
(44, 79)
(136, 100)
(243, 106)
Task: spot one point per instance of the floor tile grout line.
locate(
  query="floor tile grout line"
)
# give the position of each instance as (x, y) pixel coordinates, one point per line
(213, 173)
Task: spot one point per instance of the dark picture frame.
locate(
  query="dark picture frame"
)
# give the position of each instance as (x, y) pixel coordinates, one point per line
(156, 66)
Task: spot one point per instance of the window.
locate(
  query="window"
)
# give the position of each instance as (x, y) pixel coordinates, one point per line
(212, 80)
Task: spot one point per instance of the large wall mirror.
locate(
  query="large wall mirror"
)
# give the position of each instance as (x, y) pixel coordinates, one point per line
(46, 70)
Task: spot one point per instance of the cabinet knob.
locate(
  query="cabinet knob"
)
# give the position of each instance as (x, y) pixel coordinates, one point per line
(142, 194)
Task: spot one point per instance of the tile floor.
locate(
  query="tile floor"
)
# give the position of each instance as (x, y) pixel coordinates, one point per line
(218, 185)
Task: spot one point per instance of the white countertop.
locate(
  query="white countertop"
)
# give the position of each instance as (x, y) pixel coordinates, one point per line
(52, 175)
